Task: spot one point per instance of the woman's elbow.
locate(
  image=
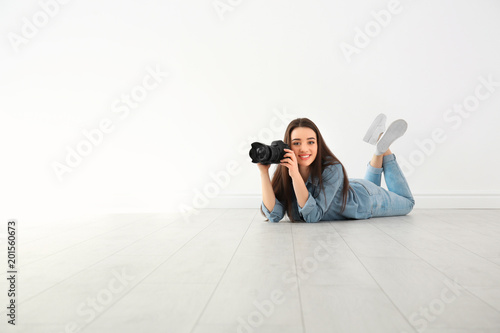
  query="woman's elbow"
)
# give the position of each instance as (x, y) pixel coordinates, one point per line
(312, 219)
(274, 219)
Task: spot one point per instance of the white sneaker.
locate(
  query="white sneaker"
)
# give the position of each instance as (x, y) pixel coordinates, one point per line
(395, 130)
(376, 128)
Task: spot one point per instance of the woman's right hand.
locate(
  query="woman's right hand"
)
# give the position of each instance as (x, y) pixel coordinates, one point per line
(264, 168)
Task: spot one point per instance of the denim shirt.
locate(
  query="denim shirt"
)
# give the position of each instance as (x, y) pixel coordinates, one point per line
(327, 205)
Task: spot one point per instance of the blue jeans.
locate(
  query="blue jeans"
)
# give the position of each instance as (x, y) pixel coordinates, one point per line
(397, 200)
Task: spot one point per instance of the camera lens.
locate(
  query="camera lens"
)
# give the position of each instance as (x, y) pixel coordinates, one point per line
(262, 153)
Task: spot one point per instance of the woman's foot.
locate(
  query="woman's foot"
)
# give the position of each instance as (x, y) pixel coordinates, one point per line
(376, 129)
(395, 130)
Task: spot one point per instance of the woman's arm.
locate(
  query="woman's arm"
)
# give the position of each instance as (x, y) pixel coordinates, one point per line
(299, 185)
(315, 208)
(301, 191)
(272, 208)
(268, 196)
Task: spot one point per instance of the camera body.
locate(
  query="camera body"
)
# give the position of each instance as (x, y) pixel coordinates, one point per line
(264, 154)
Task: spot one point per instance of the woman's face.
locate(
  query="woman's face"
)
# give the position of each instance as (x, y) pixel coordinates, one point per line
(304, 145)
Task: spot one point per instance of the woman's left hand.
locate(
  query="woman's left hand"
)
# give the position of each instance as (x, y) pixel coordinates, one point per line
(290, 161)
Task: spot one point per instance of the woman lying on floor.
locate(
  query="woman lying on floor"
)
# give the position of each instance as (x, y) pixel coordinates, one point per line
(311, 184)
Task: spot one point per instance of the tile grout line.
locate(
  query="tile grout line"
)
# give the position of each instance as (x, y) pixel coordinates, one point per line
(449, 240)
(95, 263)
(99, 219)
(151, 272)
(438, 270)
(297, 279)
(368, 271)
(222, 275)
(86, 240)
(461, 227)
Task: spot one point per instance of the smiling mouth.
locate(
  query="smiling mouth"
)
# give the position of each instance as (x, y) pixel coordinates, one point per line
(305, 157)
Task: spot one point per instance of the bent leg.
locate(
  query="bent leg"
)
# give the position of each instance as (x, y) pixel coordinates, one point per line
(374, 168)
(373, 174)
(395, 179)
(388, 203)
(384, 202)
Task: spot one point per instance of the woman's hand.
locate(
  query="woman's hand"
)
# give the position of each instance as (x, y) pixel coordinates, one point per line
(290, 161)
(263, 167)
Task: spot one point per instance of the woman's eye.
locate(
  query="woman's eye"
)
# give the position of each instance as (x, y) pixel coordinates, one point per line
(311, 142)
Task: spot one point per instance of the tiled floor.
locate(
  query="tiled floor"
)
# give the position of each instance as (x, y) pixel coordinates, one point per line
(226, 270)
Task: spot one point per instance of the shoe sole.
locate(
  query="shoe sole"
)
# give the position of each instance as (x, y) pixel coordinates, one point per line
(395, 130)
(379, 120)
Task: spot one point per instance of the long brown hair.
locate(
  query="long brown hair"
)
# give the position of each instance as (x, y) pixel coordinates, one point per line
(282, 182)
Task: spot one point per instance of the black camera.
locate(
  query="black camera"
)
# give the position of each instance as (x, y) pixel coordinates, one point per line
(264, 154)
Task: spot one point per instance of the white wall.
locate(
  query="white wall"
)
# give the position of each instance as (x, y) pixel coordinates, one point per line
(235, 77)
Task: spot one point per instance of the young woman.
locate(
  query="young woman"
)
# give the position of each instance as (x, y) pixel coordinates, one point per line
(311, 184)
